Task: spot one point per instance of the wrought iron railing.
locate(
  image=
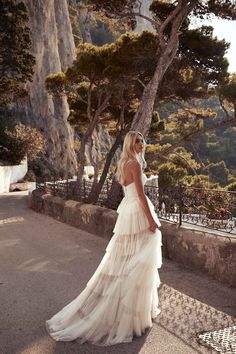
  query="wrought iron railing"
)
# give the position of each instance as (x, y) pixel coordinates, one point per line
(212, 208)
(70, 189)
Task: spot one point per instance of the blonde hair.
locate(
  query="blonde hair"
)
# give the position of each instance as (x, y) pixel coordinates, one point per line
(129, 154)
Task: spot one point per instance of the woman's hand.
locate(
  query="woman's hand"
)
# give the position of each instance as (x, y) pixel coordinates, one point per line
(153, 226)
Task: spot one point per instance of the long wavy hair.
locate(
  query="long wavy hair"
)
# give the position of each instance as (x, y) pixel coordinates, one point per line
(129, 154)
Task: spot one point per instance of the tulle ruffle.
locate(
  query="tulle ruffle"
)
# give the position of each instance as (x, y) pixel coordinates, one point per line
(120, 299)
(132, 218)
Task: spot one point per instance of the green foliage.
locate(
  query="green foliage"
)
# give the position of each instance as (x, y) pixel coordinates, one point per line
(200, 181)
(170, 175)
(16, 61)
(157, 126)
(231, 187)
(189, 75)
(136, 53)
(213, 146)
(115, 9)
(180, 158)
(90, 63)
(185, 122)
(161, 9)
(17, 141)
(209, 66)
(228, 92)
(184, 159)
(55, 83)
(217, 146)
(107, 70)
(221, 8)
(195, 69)
(218, 172)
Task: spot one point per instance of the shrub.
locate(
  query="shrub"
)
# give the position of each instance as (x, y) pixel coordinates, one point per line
(18, 140)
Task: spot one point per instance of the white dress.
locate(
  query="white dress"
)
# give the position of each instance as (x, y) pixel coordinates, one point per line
(121, 297)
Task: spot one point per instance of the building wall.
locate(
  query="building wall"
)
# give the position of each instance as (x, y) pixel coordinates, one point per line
(11, 174)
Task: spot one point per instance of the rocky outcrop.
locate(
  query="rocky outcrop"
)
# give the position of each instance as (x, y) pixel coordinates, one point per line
(143, 8)
(83, 20)
(54, 50)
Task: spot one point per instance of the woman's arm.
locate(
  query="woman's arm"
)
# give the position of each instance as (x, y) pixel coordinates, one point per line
(136, 172)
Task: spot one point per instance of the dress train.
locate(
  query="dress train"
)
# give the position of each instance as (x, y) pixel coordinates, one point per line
(120, 299)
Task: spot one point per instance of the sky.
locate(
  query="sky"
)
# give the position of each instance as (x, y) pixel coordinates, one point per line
(225, 29)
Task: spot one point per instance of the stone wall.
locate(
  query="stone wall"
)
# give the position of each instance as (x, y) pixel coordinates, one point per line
(91, 218)
(209, 251)
(202, 250)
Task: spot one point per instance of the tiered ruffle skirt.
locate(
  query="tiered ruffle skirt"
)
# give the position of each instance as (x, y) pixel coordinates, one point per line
(120, 300)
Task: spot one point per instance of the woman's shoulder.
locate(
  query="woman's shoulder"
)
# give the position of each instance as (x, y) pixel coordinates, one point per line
(133, 164)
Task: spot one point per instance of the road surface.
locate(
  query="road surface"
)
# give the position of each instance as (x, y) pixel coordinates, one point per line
(45, 264)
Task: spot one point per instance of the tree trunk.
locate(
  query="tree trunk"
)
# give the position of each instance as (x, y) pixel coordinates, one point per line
(143, 117)
(94, 195)
(82, 150)
(81, 160)
(86, 136)
(94, 156)
(115, 195)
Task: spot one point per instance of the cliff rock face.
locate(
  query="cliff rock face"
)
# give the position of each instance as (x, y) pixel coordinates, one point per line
(84, 19)
(54, 50)
(143, 24)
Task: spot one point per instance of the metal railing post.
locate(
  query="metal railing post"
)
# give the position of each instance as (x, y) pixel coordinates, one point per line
(84, 184)
(54, 186)
(107, 189)
(180, 204)
(67, 188)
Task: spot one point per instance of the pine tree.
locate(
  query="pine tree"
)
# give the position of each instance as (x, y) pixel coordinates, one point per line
(169, 20)
(16, 61)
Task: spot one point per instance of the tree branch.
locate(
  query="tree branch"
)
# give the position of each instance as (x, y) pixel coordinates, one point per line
(141, 83)
(89, 102)
(221, 99)
(186, 161)
(170, 160)
(133, 14)
(197, 154)
(167, 21)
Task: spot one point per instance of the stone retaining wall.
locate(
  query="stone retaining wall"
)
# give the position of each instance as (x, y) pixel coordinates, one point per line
(206, 251)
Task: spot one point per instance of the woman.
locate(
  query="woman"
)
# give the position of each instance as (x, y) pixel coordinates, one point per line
(121, 298)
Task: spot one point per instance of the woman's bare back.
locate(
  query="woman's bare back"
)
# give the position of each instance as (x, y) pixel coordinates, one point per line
(128, 172)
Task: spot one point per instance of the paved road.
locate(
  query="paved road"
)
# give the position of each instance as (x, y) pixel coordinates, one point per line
(44, 264)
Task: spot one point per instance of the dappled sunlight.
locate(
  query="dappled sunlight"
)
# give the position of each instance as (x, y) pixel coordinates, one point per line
(186, 317)
(41, 266)
(45, 344)
(9, 243)
(11, 220)
(78, 249)
(36, 346)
